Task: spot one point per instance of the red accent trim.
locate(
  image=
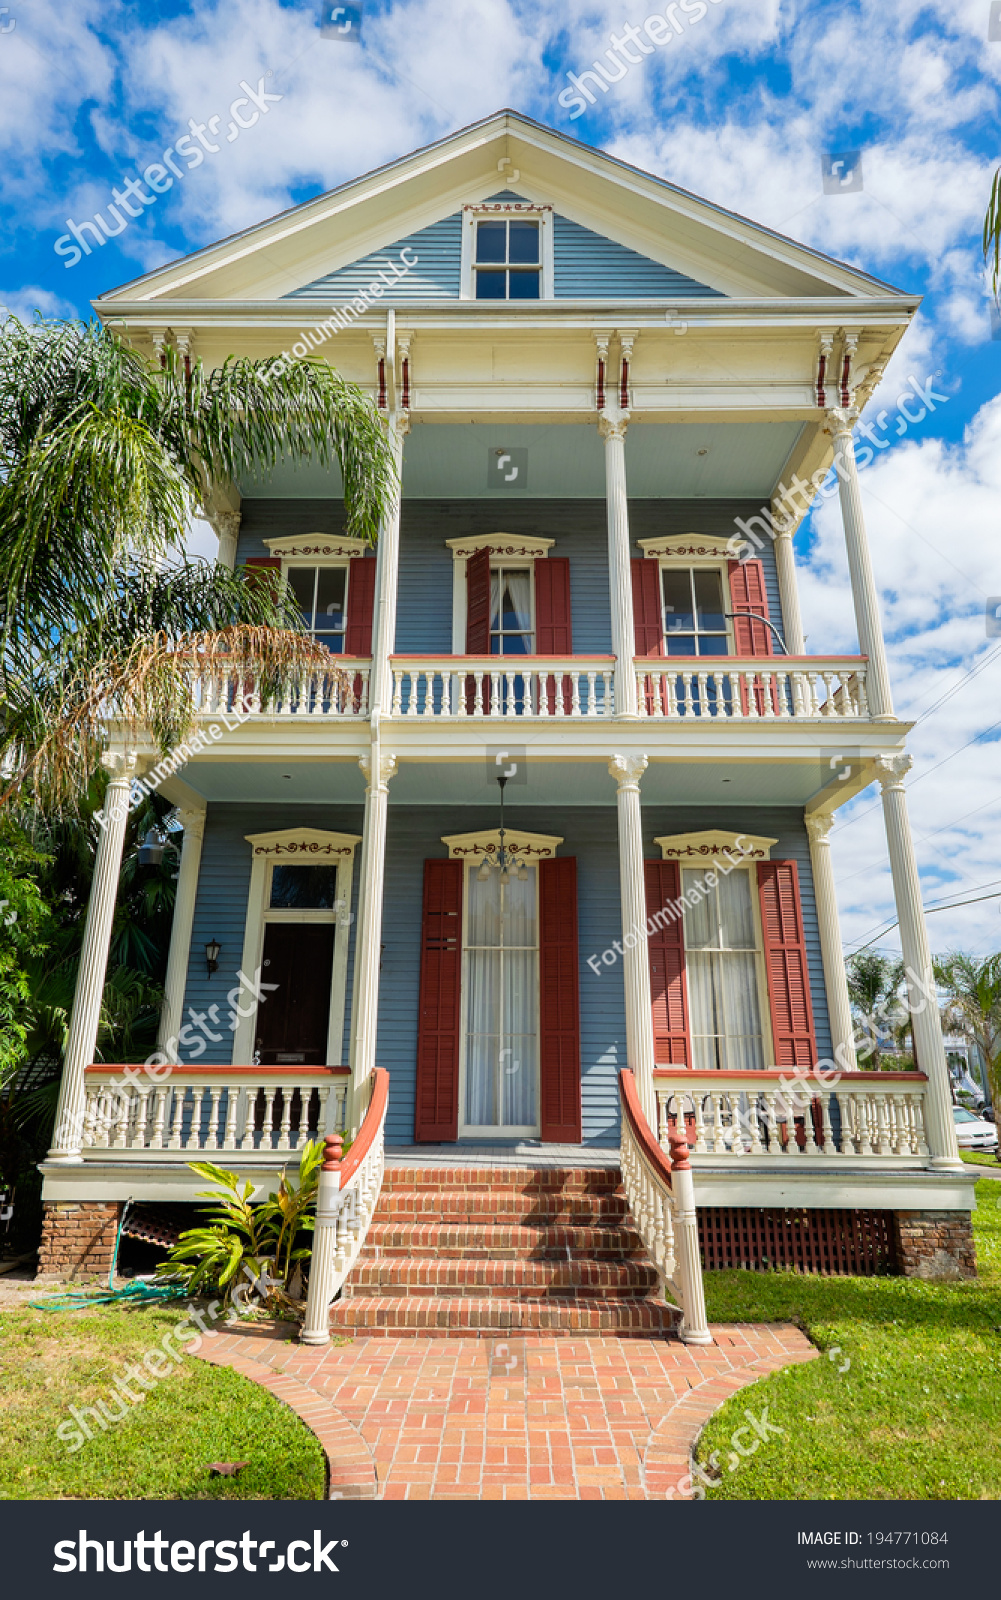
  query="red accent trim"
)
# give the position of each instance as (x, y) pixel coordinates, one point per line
(184, 1069)
(821, 379)
(370, 1127)
(786, 964)
(436, 1115)
(624, 385)
(641, 1128)
(559, 1003)
(666, 953)
(585, 655)
(772, 1074)
(845, 369)
(601, 383)
(406, 383)
(333, 1146)
(361, 602)
(382, 384)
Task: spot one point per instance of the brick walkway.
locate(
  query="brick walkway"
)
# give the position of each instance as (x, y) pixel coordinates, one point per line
(526, 1419)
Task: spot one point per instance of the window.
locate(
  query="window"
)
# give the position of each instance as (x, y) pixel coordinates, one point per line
(321, 594)
(303, 888)
(695, 621)
(511, 631)
(507, 263)
(501, 1003)
(721, 958)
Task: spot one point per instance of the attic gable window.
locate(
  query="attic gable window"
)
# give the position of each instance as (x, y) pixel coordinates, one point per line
(508, 263)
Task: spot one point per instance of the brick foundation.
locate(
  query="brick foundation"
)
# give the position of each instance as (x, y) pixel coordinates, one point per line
(936, 1244)
(78, 1238)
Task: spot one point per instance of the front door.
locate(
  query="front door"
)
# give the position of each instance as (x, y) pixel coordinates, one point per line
(293, 1019)
(500, 988)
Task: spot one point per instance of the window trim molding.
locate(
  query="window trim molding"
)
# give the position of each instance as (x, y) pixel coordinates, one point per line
(682, 554)
(316, 549)
(518, 547)
(266, 849)
(499, 210)
(711, 843)
(486, 842)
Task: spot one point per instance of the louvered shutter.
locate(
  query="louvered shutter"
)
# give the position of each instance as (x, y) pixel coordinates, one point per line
(361, 604)
(559, 1002)
(553, 625)
(478, 604)
(751, 637)
(648, 614)
(666, 948)
(786, 965)
(436, 1115)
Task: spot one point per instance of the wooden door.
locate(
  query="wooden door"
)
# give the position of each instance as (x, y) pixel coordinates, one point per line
(292, 1020)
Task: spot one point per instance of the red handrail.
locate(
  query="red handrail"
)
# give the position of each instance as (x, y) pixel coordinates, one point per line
(788, 1075)
(369, 1128)
(641, 1128)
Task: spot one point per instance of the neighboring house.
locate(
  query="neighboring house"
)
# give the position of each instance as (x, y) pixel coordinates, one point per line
(613, 402)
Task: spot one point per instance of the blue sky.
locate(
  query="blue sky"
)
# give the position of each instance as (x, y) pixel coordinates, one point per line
(741, 107)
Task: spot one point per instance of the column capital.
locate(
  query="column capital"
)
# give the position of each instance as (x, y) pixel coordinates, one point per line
(123, 765)
(783, 525)
(613, 424)
(840, 420)
(892, 770)
(627, 771)
(192, 820)
(819, 825)
(386, 769)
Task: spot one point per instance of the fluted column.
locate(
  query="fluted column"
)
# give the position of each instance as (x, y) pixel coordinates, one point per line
(378, 768)
(82, 1040)
(627, 772)
(612, 427)
(839, 1010)
(925, 1022)
(226, 526)
(193, 822)
(864, 595)
(316, 1325)
(785, 564)
(387, 581)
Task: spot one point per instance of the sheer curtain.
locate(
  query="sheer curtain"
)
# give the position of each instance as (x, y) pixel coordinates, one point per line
(722, 977)
(501, 1003)
(511, 609)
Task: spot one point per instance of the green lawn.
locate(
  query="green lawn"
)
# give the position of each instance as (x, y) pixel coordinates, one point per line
(916, 1416)
(979, 1158)
(161, 1448)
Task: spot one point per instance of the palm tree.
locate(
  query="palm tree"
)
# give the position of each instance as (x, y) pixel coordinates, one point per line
(102, 460)
(874, 990)
(973, 990)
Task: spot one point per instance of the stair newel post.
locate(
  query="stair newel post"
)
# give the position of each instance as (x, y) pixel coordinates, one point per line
(316, 1328)
(695, 1326)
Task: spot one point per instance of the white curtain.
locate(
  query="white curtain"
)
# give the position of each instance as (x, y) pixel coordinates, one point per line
(511, 601)
(722, 976)
(501, 1003)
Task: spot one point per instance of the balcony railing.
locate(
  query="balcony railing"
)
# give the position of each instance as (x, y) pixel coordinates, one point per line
(456, 687)
(340, 690)
(733, 689)
(242, 1112)
(774, 1116)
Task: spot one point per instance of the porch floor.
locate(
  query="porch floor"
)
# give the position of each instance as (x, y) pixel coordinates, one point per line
(501, 1153)
(519, 1419)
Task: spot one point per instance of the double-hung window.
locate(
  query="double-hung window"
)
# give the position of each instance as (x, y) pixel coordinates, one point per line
(321, 594)
(695, 622)
(507, 260)
(722, 963)
(511, 631)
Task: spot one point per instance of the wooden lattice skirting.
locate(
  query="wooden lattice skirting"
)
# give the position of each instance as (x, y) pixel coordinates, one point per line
(857, 1242)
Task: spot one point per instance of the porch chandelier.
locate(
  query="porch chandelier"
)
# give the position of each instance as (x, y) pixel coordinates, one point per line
(508, 866)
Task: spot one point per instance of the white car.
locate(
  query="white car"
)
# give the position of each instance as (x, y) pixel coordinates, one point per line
(973, 1133)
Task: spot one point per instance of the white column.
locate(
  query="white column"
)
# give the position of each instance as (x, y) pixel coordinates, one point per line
(839, 1010)
(193, 822)
(612, 427)
(864, 595)
(695, 1325)
(378, 769)
(785, 563)
(226, 526)
(386, 581)
(316, 1326)
(627, 772)
(82, 1040)
(941, 1129)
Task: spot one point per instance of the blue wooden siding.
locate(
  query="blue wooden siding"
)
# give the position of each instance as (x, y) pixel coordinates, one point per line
(414, 835)
(588, 266)
(424, 620)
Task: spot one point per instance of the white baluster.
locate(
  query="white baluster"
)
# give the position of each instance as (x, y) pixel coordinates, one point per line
(267, 1131)
(752, 699)
(918, 1112)
(497, 707)
(247, 1137)
(825, 1112)
(286, 1122)
(753, 1125)
(195, 1133)
(122, 1104)
(701, 708)
(176, 1116)
(212, 1138)
(592, 696)
(229, 1133)
(397, 692)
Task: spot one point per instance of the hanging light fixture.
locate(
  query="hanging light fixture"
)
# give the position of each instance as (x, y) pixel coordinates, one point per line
(152, 848)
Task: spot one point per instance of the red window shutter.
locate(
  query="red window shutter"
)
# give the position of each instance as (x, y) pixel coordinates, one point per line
(672, 1045)
(648, 613)
(747, 594)
(255, 566)
(785, 962)
(478, 604)
(436, 1113)
(559, 1002)
(361, 602)
(553, 626)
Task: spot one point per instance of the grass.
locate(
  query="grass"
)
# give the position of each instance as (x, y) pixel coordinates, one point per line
(979, 1158)
(915, 1416)
(161, 1448)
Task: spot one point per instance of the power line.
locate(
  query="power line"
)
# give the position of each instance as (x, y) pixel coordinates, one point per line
(929, 910)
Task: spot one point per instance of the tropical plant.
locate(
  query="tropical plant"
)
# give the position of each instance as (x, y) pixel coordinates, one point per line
(874, 984)
(973, 1008)
(992, 231)
(250, 1248)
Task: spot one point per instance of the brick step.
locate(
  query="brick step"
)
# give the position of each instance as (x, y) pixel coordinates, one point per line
(469, 1240)
(529, 1279)
(576, 1210)
(495, 1317)
(544, 1180)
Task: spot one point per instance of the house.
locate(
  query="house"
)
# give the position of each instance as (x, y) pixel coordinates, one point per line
(562, 804)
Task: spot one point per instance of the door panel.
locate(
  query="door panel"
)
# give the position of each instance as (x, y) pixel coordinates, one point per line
(292, 1020)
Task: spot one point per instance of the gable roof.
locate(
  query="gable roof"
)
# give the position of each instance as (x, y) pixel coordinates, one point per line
(699, 248)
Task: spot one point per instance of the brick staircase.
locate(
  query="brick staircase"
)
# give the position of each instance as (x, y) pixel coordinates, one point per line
(491, 1252)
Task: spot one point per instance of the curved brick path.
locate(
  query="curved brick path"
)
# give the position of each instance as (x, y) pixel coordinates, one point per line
(527, 1419)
